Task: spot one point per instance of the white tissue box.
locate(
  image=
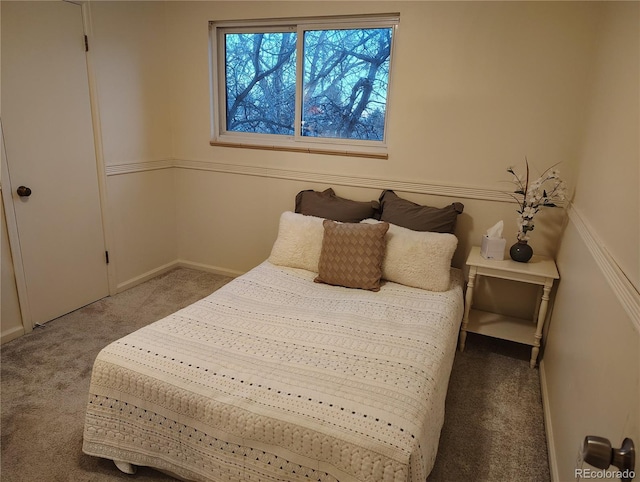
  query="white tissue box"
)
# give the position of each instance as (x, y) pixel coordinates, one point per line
(493, 248)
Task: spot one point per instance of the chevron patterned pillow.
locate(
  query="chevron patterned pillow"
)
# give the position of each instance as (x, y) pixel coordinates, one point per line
(352, 255)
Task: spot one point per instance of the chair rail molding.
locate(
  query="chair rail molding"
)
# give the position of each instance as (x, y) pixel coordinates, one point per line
(622, 287)
(437, 189)
(139, 166)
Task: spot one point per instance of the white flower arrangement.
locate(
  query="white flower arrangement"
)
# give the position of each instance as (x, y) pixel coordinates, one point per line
(547, 191)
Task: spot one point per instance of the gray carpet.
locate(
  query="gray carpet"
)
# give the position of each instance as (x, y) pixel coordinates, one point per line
(493, 429)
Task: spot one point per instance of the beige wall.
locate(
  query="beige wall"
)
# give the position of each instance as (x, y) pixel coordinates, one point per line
(609, 170)
(493, 83)
(128, 52)
(591, 367)
(129, 57)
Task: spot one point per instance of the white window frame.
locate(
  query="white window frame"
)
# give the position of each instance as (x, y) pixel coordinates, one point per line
(297, 143)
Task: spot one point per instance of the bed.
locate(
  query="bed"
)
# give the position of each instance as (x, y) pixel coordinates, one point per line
(283, 376)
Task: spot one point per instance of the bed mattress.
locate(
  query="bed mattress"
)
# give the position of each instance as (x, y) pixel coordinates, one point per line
(274, 378)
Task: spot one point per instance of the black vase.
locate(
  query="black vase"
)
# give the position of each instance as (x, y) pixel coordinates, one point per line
(521, 252)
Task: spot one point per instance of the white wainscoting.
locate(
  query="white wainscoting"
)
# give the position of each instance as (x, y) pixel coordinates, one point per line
(483, 207)
(620, 284)
(563, 379)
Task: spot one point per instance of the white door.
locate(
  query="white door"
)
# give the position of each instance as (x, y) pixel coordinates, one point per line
(46, 121)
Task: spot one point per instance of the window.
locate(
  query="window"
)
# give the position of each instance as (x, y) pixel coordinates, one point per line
(315, 85)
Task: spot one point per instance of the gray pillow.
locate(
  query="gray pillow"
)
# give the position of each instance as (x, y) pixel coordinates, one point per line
(410, 215)
(327, 205)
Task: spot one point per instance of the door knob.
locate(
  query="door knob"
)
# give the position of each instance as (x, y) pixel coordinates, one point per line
(597, 451)
(24, 191)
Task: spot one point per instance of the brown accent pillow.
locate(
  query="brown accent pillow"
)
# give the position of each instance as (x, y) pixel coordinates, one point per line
(410, 215)
(352, 255)
(327, 205)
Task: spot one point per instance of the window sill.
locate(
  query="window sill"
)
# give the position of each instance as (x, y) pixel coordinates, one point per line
(379, 154)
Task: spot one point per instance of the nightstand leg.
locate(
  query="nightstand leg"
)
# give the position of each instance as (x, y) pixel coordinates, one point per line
(467, 306)
(534, 354)
(542, 315)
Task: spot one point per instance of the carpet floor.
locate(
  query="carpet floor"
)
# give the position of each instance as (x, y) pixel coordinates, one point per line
(493, 429)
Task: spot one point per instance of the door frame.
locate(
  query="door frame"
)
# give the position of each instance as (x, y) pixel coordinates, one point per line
(97, 136)
(7, 187)
(14, 240)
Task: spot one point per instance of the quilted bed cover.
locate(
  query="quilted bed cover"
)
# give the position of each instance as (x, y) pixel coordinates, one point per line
(274, 377)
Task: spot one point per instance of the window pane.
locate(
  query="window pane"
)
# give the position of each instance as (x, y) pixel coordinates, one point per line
(260, 75)
(346, 74)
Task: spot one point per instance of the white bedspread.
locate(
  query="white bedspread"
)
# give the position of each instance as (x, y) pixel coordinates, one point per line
(275, 377)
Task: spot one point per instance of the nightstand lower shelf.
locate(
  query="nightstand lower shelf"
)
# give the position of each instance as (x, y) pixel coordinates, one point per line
(499, 326)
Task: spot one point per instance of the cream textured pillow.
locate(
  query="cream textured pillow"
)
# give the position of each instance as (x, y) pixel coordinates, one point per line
(299, 242)
(418, 259)
(352, 255)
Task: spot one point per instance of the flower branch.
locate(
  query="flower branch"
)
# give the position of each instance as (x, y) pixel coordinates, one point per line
(546, 191)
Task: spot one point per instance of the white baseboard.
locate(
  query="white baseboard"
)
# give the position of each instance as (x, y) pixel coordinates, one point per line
(551, 448)
(178, 263)
(18, 331)
(11, 334)
(125, 285)
(210, 269)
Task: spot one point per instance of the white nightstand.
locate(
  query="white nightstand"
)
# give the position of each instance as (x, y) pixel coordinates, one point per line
(540, 270)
